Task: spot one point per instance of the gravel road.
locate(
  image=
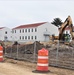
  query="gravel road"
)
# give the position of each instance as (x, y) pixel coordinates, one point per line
(14, 67)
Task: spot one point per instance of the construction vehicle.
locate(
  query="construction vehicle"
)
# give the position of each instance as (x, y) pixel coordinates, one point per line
(67, 23)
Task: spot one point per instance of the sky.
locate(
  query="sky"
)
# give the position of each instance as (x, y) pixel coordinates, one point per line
(20, 12)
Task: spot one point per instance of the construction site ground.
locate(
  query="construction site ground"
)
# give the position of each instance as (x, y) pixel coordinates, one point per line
(16, 67)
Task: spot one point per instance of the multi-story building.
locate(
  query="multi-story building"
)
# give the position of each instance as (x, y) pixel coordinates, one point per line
(5, 34)
(34, 32)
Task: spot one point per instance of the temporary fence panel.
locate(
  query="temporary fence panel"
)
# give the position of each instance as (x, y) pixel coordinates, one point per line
(24, 52)
(61, 56)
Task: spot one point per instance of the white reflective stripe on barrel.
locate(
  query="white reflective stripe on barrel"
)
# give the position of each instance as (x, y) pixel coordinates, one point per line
(1, 51)
(42, 57)
(39, 64)
(1, 56)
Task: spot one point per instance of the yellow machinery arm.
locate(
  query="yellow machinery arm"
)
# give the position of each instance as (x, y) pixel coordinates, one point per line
(68, 22)
(71, 27)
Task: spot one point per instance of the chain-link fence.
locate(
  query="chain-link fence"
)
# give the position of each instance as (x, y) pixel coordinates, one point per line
(24, 51)
(61, 54)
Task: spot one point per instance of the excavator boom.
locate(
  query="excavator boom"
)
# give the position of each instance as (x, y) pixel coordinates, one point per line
(67, 23)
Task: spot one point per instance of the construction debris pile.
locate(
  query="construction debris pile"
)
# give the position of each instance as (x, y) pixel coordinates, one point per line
(25, 48)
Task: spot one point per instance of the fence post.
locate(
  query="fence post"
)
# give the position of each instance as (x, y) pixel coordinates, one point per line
(57, 54)
(17, 51)
(34, 50)
(11, 52)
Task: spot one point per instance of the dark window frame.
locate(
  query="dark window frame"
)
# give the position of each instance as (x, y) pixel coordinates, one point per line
(25, 37)
(32, 37)
(5, 32)
(28, 30)
(32, 29)
(25, 30)
(35, 29)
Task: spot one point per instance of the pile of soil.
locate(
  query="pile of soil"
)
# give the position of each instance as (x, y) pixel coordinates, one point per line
(24, 48)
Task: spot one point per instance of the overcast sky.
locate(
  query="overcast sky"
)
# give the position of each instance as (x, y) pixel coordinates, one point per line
(19, 12)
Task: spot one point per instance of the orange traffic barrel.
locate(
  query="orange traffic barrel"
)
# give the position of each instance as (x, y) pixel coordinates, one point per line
(1, 53)
(42, 63)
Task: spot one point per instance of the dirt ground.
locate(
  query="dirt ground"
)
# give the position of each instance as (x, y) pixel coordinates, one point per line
(15, 67)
